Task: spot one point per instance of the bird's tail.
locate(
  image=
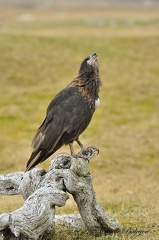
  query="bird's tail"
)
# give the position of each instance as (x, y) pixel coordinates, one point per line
(35, 158)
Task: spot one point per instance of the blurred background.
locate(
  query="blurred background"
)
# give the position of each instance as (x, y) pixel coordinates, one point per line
(79, 4)
(42, 44)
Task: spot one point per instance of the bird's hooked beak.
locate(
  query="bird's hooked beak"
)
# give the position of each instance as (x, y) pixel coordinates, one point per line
(93, 59)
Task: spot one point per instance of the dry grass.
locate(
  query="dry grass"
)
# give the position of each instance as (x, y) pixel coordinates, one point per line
(40, 54)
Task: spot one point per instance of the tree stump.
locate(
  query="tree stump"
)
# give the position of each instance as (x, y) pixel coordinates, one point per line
(42, 191)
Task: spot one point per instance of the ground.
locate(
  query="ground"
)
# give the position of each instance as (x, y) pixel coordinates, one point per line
(40, 54)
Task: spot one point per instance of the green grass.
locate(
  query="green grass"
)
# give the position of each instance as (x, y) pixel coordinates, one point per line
(40, 57)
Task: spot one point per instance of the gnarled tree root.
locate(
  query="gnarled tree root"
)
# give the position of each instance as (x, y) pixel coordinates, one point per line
(42, 191)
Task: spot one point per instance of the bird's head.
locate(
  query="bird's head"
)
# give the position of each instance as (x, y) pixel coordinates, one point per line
(89, 65)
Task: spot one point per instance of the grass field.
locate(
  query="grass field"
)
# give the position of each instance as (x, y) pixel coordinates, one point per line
(40, 54)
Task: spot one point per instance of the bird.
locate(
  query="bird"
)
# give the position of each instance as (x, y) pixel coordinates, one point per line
(68, 114)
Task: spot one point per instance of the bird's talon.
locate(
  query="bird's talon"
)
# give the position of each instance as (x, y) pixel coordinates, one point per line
(97, 150)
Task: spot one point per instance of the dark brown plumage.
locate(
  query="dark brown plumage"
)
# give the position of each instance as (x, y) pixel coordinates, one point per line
(68, 114)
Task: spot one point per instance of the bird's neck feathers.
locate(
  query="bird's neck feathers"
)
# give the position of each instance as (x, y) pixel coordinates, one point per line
(89, 83)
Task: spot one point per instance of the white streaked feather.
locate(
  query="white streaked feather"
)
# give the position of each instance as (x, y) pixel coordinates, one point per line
(97, 102)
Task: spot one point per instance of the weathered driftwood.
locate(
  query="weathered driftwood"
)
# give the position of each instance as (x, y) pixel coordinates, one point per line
(42, 191)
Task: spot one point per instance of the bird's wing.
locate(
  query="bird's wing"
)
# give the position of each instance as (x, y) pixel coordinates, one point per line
(68, 113)
(50, 130)
(78, 118)
(67, 117)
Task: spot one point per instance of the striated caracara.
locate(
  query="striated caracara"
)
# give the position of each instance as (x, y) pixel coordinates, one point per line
(68, 114)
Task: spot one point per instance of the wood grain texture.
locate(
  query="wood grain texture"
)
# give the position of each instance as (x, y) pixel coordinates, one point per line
(42, 191)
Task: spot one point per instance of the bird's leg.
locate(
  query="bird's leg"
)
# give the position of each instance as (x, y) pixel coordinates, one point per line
(80, 144)
(86, 153)
(71, 149)
(83, 152)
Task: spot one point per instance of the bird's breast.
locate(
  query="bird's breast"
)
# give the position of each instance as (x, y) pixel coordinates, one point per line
(97, 102)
